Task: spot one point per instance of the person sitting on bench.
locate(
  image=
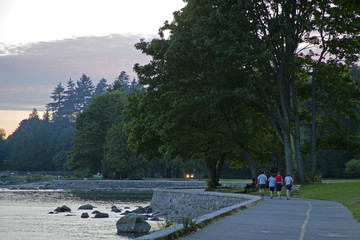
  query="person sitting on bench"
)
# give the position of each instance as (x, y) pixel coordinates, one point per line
(250, 185)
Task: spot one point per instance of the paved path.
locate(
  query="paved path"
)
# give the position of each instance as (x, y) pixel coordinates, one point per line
(301, 219)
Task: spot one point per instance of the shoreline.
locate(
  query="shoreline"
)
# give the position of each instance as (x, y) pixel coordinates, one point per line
(113, 185)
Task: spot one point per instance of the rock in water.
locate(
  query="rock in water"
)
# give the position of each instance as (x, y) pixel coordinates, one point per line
(63, 208)
(86, 207)
(140, 210)
(132, 223)
(101, 215)
(155, 218)
(115, 209)
(84, 215)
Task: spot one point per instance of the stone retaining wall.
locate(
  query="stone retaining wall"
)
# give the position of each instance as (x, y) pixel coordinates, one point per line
(192, 202)
(189, 201)
(121, 184)
(128, 184)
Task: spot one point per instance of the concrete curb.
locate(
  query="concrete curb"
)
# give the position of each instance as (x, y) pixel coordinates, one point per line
(175, 231)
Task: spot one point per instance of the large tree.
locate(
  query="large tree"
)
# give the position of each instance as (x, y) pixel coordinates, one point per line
(258, 49)
(120, 161)
(92, 126)
(197, 103)
(59, 98)
(269, 40)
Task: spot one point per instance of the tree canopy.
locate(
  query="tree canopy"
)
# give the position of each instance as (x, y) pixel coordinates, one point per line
(229, 77)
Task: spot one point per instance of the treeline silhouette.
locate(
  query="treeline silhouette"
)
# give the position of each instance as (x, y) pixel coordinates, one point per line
(53, 142)
(82, 131)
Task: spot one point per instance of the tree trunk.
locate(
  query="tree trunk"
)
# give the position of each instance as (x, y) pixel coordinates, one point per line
(248, 158)
(250, 162)
(299, 159)
(297, 137)
(288, 154)
(214, 166)
(313, 127)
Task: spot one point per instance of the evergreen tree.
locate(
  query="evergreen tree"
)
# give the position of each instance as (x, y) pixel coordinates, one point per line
(59, 97)
(83, 93)
(69, 110)
(121, 83)
(101, 87)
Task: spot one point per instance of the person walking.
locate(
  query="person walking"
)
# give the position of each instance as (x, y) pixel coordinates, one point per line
(271, 185)
(278, 183)
(288, 183)
(262, 178)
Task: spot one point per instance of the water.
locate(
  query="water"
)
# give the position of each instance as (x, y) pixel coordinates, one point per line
(24, 214)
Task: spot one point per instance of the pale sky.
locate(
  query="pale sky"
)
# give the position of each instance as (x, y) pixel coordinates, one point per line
(44, 42)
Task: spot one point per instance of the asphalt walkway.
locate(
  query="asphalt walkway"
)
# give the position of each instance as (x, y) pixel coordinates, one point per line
(297, 218)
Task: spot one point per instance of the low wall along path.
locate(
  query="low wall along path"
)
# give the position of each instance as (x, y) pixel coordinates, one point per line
(199, 205)
(192, 202)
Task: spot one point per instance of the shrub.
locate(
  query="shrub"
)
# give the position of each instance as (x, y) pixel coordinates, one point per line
(353, 168)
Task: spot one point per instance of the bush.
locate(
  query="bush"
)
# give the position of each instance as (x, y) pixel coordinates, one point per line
(189, 225)
(317, 178)
(353, 168)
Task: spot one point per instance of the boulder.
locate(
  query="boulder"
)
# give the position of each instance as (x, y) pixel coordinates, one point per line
(126, 212)
(63, 208)
(146, 209)
(139, 210)
(101, 215)
(132, 223)
(155, 218)
(84, 215)
(86, 207)
(115, 209)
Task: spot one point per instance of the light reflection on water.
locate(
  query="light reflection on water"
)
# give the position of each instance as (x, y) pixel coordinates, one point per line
(24, 215)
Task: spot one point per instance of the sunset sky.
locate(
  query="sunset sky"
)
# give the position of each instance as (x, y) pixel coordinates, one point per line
(44, 42)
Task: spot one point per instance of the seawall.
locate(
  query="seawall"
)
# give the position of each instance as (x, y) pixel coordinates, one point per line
(130, 184)
(201, 206)
(192, 203)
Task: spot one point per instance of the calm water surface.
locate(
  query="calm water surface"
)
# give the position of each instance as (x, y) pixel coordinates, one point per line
(24, 215)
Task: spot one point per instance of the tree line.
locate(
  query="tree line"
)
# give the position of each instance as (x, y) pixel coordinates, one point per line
(268, 85)
(81, 131)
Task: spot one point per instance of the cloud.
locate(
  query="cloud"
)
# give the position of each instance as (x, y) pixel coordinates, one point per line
(29, 73)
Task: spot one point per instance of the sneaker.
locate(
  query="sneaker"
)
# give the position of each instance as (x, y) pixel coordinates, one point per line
(271, 197)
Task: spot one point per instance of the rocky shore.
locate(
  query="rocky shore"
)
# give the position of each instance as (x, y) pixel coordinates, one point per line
(108, 185)
(172, 198)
